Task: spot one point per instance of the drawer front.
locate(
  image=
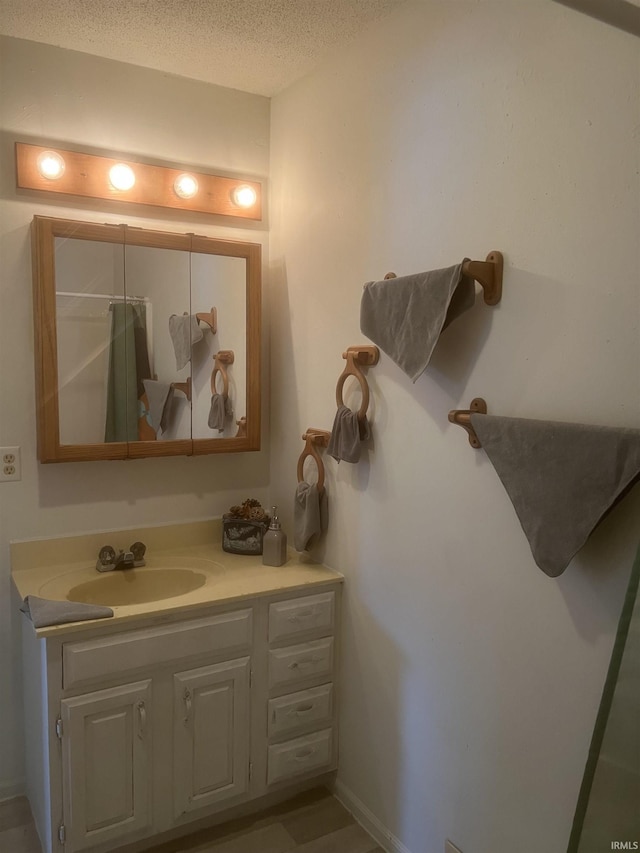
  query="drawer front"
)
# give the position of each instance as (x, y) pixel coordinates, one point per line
(292, 712)
(297, 663)
(117, 653)
(295, 757)
(299, 615)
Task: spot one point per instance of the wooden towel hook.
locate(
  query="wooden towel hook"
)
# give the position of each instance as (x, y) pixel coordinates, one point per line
(462, 417)
(355, 356)
(488, 274)
(242, 427)
(313, 439)
(210, 318)
(185, 387)
(221, 359)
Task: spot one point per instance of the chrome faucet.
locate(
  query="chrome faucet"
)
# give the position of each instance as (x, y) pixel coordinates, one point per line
(108, 560)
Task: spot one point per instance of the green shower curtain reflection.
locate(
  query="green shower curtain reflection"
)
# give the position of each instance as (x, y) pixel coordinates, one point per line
(128, 367)
(608, 811)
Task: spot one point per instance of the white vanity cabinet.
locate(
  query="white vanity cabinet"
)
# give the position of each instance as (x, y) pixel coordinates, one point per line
(141, 732)
(107, 764)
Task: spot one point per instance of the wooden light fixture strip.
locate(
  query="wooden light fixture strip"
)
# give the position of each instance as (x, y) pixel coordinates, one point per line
(87, 175)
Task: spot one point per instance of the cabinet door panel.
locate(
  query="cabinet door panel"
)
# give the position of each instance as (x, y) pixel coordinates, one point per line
(211, 734)
(107, 765)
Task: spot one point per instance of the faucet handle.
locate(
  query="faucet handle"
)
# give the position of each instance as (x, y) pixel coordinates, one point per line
(138, 549)
(106, 557)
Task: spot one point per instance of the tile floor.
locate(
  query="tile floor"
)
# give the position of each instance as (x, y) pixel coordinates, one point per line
(313, 822)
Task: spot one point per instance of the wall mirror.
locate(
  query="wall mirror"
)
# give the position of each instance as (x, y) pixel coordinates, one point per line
(147, 343)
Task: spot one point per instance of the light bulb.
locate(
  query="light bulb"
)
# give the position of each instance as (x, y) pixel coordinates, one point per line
(185, 186)
(50, 165)
(121, 176)
(245, 196)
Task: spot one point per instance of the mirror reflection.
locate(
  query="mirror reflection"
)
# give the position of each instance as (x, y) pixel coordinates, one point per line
(156, 340)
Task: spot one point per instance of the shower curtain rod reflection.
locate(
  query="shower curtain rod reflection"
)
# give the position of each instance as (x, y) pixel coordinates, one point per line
(114, 296)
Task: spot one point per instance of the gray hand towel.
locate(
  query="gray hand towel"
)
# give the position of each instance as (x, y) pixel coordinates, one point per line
(404, 316)
(159, 395)
(310, 515)
(220, 410)
(45, 611)
(347, 435)
(561, 478)
(185, 332)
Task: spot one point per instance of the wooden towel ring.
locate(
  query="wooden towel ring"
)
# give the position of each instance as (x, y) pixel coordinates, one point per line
(462, 417)
(313, 439)
(222, 358)
(365, 355)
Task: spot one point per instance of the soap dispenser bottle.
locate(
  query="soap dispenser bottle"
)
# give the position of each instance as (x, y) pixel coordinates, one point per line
(274, 542)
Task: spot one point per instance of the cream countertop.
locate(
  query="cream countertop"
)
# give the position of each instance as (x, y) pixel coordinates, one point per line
(49, 568)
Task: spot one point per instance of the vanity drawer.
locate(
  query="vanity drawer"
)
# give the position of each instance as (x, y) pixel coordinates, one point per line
(299, 615)
(299, 756)
(294, 711)
(110, 656)
(297, 663)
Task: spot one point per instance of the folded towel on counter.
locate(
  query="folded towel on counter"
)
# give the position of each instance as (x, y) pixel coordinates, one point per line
(310, 515)
(562, 479)
(46, 611)
(220, 410)
(159, 396)
(185, 332)
(404, 316)
(347, 434)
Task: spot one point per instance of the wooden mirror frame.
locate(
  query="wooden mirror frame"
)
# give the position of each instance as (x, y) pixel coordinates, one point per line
(44, 230)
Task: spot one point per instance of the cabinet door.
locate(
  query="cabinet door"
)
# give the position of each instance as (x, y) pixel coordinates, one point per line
(210, 734)
(107, 766)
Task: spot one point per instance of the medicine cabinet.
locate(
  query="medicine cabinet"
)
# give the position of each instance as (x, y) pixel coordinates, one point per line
(136, 331)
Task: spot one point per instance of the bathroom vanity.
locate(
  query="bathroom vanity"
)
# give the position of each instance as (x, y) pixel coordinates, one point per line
(175, 713)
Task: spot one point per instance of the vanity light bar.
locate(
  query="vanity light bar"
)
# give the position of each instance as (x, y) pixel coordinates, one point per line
(97, 177)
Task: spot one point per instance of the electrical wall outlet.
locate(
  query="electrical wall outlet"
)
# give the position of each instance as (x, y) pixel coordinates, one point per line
(10, 468)
(449, 847)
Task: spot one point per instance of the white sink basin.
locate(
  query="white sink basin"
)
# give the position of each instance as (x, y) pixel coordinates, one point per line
(162, 579)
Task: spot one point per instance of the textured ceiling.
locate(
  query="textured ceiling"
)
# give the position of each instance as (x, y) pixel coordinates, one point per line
(259, 46)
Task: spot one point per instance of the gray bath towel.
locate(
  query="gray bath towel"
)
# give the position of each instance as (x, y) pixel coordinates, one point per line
(404, 316)
(160, 396)
(45, 611)
(220, 410)
(561, 478)
(347, 435)
(310, 515)
(185, 332)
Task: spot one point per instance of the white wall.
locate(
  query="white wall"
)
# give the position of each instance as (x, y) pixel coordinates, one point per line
(61, 96)
(471, 680)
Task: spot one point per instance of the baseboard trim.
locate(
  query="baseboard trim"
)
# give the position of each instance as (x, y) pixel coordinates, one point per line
(367, 819)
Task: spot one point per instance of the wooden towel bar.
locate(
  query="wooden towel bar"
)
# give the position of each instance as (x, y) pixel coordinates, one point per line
(355, 356)
(210, 318)
(313, 439)
(487, 273)
(462, 417)
(185, 387)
